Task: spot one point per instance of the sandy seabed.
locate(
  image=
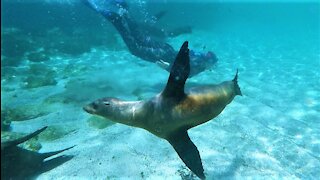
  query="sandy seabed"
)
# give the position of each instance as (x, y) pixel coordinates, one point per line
(271, 132)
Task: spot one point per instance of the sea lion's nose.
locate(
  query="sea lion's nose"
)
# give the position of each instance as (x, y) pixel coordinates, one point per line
(89, 109)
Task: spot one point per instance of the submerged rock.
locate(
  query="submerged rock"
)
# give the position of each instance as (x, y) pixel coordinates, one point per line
(10, 61)
(72, 70)
(55, 132)
(39, 56)
(10, 74)
(32, 144)
(5, 123)
(38, 81)
(72, 47)
(14, 43)
(98, 122)
(57, 98)
(24, 112)
(39, 75)
(74, 96)
(185, 174)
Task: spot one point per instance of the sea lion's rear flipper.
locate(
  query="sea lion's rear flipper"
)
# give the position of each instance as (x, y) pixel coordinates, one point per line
(187, 151)
(179, 74)
(236, 86)
(21, 140)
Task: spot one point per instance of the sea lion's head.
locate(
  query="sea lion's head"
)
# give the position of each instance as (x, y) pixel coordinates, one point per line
(103, 107)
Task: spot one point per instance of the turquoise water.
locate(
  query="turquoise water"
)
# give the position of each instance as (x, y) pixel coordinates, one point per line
(58, 56)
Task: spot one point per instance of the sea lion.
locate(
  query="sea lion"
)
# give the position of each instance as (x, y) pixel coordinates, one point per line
(19, 163)
(171, 113)
(140, 37)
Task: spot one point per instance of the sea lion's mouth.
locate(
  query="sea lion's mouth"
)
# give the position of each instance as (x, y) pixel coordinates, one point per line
(89, 109)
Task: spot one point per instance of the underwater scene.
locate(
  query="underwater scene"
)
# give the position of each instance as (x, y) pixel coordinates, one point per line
(160, 89)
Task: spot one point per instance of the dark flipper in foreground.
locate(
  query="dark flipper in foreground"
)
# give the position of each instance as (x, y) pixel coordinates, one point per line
(180, 140)
(49, 154)
(19, 163)
(179, 74)
(21, 140)
(187, 151)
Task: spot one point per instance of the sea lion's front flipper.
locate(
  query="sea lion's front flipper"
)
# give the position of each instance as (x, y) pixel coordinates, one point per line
(23, 139)
(179, 74)
(187, 151)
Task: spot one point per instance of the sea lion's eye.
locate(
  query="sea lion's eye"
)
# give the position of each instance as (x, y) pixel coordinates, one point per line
(106, 103)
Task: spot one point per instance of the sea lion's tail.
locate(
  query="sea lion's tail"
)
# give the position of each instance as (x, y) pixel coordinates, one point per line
(236, 86)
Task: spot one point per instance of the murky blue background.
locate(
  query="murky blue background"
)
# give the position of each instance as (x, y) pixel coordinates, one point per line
(56, 56)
